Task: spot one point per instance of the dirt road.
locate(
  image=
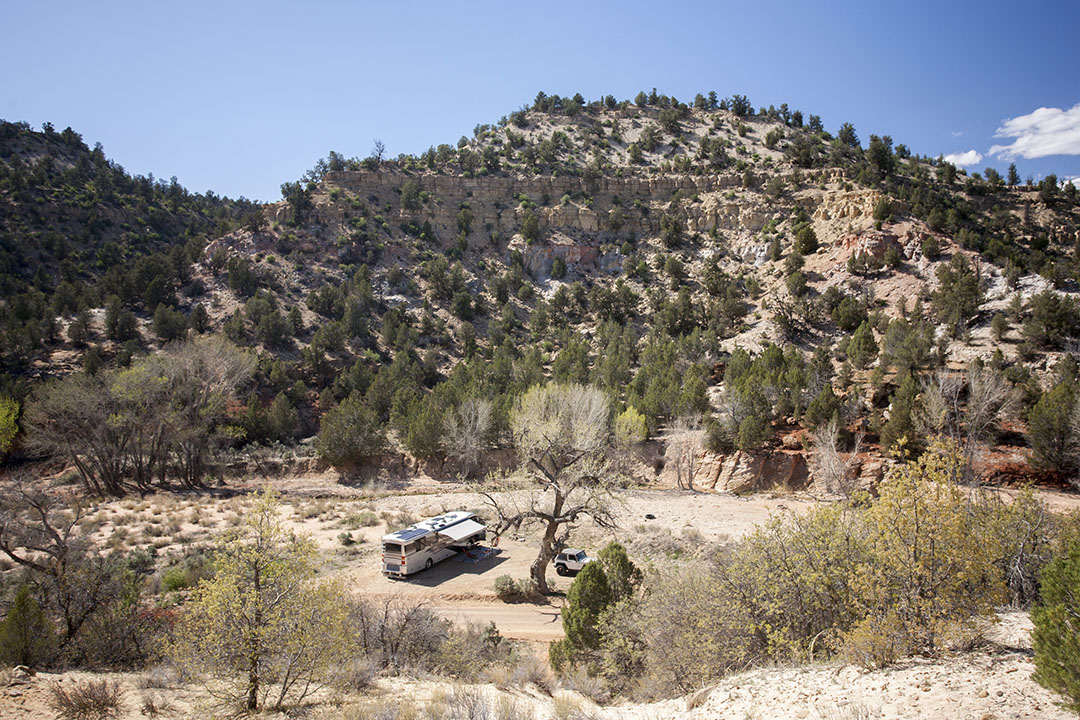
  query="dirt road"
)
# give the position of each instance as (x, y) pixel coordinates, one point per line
(464, 591)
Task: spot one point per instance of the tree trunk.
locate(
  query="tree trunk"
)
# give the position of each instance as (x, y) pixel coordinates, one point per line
(253, 667)
(253, 682)
(538, 570)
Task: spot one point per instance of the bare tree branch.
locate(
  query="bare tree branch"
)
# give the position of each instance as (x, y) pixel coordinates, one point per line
(685, 443)
(562, 435)
(833, 469)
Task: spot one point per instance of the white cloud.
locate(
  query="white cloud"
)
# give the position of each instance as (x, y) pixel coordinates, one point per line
(957, 133)
(964, 159)
(1047, 131)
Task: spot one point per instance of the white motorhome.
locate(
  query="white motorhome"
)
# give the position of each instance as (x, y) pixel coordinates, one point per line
(420, 546)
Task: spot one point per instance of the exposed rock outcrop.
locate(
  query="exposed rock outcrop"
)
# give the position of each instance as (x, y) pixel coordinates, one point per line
(743, 472)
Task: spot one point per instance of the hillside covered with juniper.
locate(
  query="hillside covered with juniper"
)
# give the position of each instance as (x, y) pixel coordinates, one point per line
(736, 272)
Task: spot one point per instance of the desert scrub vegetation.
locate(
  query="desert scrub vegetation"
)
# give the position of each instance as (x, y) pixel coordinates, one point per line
(248, 618)
(262, 628)
(71, 604)
(918, 570)
(86, 699)
(510, 590)
(263, 631)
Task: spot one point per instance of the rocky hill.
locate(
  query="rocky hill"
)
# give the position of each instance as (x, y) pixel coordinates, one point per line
(709, 265)
(75, 229)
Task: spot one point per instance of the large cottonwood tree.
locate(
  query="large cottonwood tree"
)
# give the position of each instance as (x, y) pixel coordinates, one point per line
(562, 435)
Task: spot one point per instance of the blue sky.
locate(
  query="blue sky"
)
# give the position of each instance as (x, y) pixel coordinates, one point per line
(238, 97)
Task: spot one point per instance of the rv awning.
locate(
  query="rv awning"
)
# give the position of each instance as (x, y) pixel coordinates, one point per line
(461, 530)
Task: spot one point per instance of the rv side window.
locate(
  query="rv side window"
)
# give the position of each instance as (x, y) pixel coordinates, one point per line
(410, 548)
(392, 549)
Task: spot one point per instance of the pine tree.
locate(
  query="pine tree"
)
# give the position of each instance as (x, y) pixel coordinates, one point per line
(900, 429)
(350, 432)
(423, 438)
(281, 419)
(821, 408)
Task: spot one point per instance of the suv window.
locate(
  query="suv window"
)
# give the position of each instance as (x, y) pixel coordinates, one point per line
(581, 555)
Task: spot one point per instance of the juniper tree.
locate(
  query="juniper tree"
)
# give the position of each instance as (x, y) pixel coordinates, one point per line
(1055, 636)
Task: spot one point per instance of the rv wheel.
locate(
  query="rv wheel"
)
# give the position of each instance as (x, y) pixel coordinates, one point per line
(428, 564)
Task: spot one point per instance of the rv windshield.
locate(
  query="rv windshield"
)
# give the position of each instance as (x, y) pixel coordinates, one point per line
(392, 549)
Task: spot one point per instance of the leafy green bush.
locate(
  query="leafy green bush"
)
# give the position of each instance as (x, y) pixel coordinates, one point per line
(364, 518)
(176, 578)
(9, 424)
(630, 428)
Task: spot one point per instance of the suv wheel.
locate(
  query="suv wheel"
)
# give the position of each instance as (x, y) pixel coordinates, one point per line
(561, 570)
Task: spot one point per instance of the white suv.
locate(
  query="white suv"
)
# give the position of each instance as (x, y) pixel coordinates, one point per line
(571, 560)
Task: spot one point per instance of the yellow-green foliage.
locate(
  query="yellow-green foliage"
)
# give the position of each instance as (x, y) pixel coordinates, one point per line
(263, 627)
(933, 571)
(9, 424)
(695, 630)
(794, 578)
(785, 593)
(913, 571)
(630, 428)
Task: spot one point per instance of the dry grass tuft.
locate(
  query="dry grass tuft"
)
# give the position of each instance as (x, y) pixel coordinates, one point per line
(159, 677)
(86, 699)
(389, 709)
(571, 707)
(590, 686)
(848, 711)
(154, 705)
(531, 669)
